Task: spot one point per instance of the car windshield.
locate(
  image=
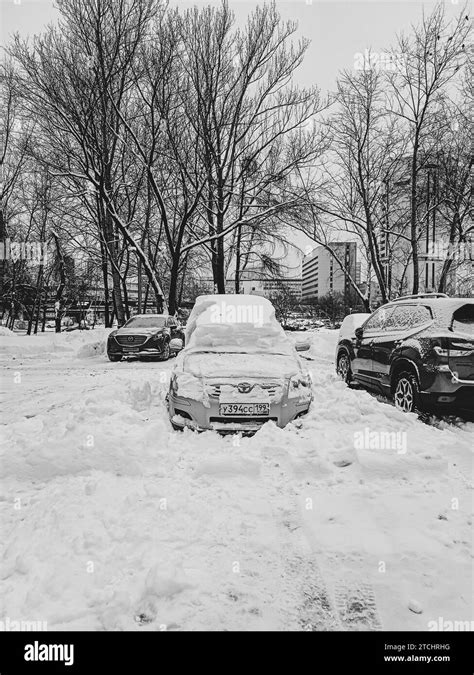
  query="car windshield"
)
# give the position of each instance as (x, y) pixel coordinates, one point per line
(463, 320)
(146, 322)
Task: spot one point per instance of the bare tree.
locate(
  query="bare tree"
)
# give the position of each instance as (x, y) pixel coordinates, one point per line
(246, 113)
(432, 55)
(76, 77)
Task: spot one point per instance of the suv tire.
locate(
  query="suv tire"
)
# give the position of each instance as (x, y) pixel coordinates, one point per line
(344, 367)
(406, 392)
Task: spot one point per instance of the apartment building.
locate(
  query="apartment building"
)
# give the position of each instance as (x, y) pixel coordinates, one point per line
(321, 273)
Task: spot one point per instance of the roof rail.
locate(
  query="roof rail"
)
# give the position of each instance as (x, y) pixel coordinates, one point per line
(421, 295)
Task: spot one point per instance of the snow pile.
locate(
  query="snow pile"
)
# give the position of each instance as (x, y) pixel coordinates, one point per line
(221, 365)
(244, 323)
(81, 344)
(95, 348)
(189, 386)
(350, 323)
(4, 331)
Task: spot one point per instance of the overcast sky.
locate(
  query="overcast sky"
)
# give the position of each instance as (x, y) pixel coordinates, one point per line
(338, 29)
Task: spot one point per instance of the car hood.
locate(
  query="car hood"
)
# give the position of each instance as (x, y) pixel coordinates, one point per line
(216, 365)
(138, 331)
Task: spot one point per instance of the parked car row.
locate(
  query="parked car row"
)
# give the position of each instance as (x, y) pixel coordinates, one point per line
(236, 368)
(304, 324)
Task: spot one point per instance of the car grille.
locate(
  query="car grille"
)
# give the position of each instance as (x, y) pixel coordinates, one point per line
(214, 390)
(131, 340)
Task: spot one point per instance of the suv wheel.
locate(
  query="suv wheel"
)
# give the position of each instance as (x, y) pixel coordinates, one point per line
(344, 367)
(406, 393)
(114, 357)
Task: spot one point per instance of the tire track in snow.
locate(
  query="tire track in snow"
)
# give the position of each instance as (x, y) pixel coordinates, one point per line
(303, 599)
(327, 599)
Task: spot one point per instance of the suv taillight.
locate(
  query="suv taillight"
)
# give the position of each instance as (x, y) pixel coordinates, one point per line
(453, 350)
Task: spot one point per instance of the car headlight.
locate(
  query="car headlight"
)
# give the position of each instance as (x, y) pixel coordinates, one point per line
(299, 385)
(186, 385)
(174, 384)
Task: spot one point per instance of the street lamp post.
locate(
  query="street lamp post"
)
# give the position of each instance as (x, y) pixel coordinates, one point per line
(431, 190)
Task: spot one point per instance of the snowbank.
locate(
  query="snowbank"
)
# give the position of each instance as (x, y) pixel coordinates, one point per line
(82, 344)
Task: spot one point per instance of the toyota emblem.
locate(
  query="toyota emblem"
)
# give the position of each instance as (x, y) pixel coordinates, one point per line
(244, 387)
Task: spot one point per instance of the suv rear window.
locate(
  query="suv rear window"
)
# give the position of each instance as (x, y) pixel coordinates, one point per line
(463, 320)
(405, 317)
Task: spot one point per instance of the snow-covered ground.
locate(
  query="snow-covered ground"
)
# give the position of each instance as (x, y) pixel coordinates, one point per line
(357, 517)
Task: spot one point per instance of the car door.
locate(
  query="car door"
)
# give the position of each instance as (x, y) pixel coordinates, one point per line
(383, 345)
(362, 362)
(401, 322)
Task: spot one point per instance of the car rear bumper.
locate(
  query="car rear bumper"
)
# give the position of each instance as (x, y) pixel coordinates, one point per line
(449, 392)
(185, 412)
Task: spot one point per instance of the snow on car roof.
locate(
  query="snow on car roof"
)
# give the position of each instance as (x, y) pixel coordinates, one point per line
(241, 322)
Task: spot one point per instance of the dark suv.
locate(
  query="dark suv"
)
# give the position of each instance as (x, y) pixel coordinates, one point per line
(146, 335)
(419, 350)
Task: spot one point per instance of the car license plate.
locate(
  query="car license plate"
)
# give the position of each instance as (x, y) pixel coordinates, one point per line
(131, 350)
(243, 409)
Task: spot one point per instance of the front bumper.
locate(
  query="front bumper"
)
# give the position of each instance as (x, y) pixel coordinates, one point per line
(140, 350)
(186, 412)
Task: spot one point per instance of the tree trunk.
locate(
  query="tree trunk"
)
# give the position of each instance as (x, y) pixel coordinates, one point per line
(105, 278)
(116, 282)
(36, 300)
(60, 289)
(219, 280)
(173, 285)
(448, 261)
(237, 259)
(414, 216)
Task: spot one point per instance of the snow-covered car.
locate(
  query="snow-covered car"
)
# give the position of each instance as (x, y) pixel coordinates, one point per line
(156, 335)
(238, 369)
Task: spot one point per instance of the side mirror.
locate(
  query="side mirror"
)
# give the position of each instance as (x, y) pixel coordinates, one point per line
(302, 346)
(176, 344)
(359, 332)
